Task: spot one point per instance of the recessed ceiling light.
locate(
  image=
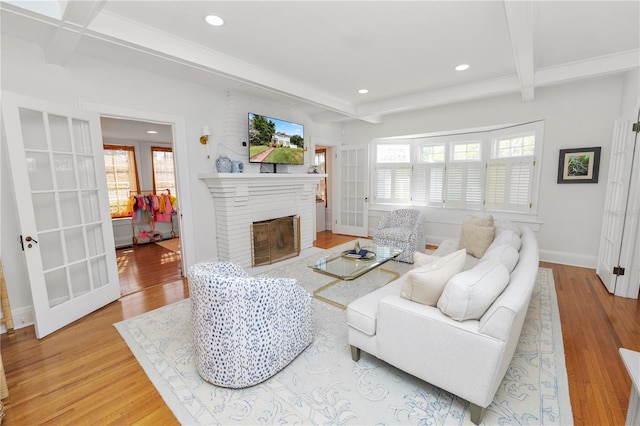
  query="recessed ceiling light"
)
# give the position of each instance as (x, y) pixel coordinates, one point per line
(214, 20)
(363, 91)
(151, 132)
(462, 67)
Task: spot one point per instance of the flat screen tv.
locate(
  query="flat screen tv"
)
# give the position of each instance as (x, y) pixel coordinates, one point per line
(275, 141)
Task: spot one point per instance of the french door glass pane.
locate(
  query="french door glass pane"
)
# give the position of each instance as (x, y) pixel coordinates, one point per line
(65, 171)
(95, 241)
(43, 205)
(50, 249)
(90, 206)
(33, 132)
(80, 280)
(99, 271)
(81, 136)
(57, 288)
(86, 172)
(39, 169)
(74, 241)
(70, 209)
(60, 137)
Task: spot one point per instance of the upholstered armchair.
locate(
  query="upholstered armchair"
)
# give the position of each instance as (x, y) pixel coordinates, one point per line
(246, 329)
(402, 229)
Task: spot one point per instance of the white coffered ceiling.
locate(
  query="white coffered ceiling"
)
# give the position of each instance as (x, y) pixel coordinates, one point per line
(319, 53)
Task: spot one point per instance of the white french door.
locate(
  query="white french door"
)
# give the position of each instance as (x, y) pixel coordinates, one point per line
(59, 180)
(619, 223)
(352, 201)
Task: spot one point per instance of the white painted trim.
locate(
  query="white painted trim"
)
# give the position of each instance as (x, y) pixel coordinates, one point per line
(22, 317)
(566, 258)
(187, 233)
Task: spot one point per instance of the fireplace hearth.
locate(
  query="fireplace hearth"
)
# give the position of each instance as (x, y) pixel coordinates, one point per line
(275, 240)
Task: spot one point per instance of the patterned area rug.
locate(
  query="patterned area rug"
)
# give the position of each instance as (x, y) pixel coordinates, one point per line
(324, 386)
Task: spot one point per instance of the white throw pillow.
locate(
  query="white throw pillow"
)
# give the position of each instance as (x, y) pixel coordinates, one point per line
(420, 259)
(469, 294)
(505, 253)
(424, 284)
(477, 235)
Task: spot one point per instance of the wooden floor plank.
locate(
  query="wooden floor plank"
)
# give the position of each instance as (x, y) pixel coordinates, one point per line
(86, 374)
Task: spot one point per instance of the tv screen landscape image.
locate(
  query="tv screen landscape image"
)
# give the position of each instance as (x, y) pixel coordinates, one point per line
(274, 141)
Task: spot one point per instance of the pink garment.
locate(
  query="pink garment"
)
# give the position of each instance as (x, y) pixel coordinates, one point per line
(166, 216)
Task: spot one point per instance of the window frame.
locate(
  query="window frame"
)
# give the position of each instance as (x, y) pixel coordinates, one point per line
(157, 190)
(399, 171)
(132, 158)
(488, 138)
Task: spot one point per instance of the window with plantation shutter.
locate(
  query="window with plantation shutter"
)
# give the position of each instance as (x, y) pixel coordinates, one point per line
(464, 185)
(492, 170)
(509, 185)
(428, 185)
(393, 173)
(383, 182)
(393, 183)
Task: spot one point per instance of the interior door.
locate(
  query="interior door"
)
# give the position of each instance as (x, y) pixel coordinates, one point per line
(352, 201)
(57, 166)
(618, 185)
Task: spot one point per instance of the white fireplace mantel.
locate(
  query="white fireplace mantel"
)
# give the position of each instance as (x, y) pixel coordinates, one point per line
(243, 198)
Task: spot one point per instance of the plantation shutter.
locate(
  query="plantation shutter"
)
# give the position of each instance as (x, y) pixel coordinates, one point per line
(393, 183)
(428, 185)
(383, 183)
(510, 184)
(465, 185)
(402, 184)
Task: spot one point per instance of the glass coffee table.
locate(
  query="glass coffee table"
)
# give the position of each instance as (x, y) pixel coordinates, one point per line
(341, 265)
(348, 271)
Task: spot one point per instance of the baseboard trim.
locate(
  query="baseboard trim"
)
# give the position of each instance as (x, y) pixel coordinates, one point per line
(566, 258)
(22, 317)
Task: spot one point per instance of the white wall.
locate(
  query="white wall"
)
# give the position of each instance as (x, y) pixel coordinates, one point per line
(579, 114)
(90, 80)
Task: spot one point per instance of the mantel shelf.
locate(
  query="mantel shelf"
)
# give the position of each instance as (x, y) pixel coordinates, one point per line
(258, 179)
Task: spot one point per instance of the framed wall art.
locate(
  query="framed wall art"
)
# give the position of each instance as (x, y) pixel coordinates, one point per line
(579, 165)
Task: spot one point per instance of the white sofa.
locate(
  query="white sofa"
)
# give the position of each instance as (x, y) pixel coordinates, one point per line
(467, 358)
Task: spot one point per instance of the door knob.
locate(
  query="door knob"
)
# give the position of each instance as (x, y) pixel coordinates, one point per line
(29, 239)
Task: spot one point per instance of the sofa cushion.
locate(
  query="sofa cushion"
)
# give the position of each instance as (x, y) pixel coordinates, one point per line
(504, 253)
(420, 259)
(469, 294)
(506, 225)
(508, 237)
(477, 235)
(425, 283)
(362, 313)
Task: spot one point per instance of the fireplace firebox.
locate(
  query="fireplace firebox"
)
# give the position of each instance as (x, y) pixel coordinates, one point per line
(275, 240)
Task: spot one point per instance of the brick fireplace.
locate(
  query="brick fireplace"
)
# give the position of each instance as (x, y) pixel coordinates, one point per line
(240, 199)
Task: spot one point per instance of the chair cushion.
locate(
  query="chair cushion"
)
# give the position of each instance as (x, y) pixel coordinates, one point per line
(425, 283)
(396, 234)
(469, 294)
(477, 235)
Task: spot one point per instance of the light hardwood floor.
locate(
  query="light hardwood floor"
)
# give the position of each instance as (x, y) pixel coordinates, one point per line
(85, 373)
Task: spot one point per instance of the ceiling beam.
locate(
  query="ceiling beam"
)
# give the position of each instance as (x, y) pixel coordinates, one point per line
(521, 22)
(76, 18)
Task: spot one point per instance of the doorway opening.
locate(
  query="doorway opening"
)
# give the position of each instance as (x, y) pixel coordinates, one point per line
(143, 198)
